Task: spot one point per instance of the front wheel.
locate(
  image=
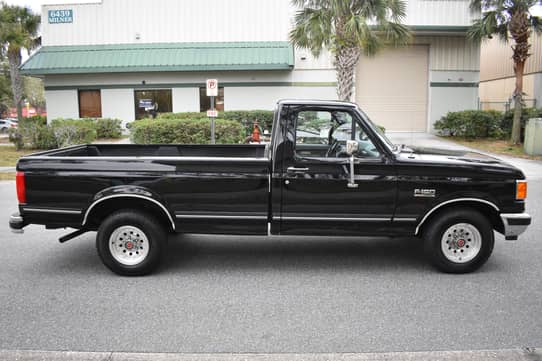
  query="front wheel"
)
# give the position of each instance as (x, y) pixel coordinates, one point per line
(131, 243)
(459, 241)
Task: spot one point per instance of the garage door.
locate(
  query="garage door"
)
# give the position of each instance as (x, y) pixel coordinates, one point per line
(392, 88)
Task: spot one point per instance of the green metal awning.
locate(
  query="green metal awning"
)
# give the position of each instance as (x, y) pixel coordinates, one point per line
(123, 58)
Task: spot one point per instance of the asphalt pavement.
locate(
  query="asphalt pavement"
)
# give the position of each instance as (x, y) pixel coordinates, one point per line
(226, 294)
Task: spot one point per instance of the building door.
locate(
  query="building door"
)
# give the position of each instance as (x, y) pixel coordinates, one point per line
(392, 88)
(90, 104)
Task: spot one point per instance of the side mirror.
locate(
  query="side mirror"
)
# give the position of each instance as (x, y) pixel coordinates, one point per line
(351, 147)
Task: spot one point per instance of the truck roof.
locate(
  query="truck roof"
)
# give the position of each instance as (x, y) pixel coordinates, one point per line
(315, 102)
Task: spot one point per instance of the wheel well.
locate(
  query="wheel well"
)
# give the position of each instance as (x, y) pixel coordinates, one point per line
(103, 209)
(485, 209)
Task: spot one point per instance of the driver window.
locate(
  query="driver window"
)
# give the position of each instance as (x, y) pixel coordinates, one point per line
(323, 134)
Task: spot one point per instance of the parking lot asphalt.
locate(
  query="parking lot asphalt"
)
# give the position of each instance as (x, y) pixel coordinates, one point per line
(227, 294)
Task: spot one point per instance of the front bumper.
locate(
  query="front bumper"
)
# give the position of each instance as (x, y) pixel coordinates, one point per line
(515, 224)
(16, 223)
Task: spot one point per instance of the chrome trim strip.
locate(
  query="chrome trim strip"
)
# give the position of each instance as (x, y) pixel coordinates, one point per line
(514, 230)
(212, 216)
(405, 219)
(348, 219)
(52, 210)
(132, 196)
(126, 158)
(453, 201)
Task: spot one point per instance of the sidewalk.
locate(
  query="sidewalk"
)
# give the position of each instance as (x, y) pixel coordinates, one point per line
(531, 168)
(524, 354)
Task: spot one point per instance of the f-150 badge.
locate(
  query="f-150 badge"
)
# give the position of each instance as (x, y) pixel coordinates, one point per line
(424, 193)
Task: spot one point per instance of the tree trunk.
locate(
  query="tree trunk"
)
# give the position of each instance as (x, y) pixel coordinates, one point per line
(520, 31)
(518, 103)
(14, 58)
(345, 62)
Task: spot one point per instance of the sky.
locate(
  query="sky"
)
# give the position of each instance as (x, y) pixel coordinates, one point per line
(35, 5)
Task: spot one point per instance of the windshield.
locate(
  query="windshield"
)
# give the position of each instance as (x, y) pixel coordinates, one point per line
(378, 131)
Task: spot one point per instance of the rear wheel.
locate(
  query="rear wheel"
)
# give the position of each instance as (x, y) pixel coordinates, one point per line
(459, 241)
(131, 243)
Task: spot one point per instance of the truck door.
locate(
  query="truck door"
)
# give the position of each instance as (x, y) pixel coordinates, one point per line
(316, 195)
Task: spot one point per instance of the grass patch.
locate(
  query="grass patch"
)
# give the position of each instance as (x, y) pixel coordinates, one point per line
(7, 176)
(496, 146)
(9, 156)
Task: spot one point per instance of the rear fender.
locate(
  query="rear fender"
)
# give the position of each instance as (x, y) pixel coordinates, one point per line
(117, 193)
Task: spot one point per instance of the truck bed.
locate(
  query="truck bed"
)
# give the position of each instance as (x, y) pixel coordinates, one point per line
(195, 183)
(159, 150)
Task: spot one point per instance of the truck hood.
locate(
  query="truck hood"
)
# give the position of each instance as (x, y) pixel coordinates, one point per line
(459, 160)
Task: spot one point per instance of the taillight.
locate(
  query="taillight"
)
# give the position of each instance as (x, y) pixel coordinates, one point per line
(521, 189)
(21, 187)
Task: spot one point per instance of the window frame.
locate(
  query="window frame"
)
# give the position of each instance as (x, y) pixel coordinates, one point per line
(357, 125)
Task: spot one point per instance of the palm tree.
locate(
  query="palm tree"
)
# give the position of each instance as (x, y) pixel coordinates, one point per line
(347, 28)
(18, 30)
(509, 18)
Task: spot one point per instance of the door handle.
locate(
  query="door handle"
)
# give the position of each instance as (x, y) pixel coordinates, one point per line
(297, 170)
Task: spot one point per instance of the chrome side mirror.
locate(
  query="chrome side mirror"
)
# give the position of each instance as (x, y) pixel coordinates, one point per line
(351, 146)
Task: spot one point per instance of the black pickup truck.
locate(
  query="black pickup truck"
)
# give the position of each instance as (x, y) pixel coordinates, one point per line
(328, 170)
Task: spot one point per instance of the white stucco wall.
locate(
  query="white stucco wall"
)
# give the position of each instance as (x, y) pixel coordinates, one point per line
(62, 104)
(185, 99)
(241, 98)
(119, 104)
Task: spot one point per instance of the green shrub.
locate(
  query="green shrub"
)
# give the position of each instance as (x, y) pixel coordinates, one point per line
(108, 128)
(37, 118)
(34, 134)
(245, 117)
(185, 131)
(73, 131)
(526, 114)
(471, 124)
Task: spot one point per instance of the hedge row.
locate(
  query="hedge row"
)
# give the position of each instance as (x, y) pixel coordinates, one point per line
(245, 117)
(185, 131)
(483, 123)
(34, 133)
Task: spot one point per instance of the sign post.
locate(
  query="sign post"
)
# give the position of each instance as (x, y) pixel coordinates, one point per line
(212, 91)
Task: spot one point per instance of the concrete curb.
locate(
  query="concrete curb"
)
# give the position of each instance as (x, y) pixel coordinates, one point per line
(525, 354)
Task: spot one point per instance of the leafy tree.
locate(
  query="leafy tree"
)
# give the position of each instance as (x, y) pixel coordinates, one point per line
(347, 28)
(5, 89)
(509, 19)
(18, 30)
(34, 91)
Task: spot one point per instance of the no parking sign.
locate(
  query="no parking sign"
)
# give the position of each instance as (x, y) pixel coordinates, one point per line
(212, 87)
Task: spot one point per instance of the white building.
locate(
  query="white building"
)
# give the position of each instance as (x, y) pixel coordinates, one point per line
(114, 58)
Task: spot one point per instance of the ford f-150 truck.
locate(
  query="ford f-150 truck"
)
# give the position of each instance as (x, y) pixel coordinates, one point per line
(328, 170)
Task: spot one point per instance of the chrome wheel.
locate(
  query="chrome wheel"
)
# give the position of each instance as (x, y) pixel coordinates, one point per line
(461, 243)
(129, 245)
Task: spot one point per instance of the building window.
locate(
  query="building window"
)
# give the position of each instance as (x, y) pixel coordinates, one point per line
(90, 104)
(205, 101)
(148, 103)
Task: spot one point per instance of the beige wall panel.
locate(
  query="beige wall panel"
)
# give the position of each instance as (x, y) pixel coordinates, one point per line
(501, 90)
(452, 52)
(496, 58)
(392, 88)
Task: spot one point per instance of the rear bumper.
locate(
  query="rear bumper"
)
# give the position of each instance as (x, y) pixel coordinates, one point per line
(515, 224)
(16, 223)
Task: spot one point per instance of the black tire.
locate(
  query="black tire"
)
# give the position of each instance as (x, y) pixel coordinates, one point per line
(132, 232)
(452, 238)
